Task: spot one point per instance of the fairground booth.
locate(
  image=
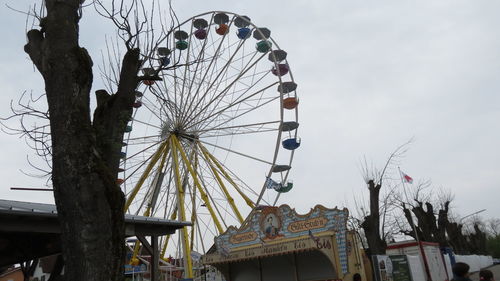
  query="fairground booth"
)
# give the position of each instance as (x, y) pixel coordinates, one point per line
(276, 243)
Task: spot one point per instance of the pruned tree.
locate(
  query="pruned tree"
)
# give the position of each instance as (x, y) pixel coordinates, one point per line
(430, 225)
(84, 150)
(375, 222)
(475, 234)
(438, 226)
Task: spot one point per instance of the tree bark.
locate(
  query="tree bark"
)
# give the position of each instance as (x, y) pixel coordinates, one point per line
(371, 223)
(85, 155)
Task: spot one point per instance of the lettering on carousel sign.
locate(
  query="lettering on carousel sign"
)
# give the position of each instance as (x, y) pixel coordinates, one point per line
(309, 224)
(243, 237)
(268, 250)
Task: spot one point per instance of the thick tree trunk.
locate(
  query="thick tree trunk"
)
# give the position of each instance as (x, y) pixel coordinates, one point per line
(371, 223)
(442, 223)
(85, 156)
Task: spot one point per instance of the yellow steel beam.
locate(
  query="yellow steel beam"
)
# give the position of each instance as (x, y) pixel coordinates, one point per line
(160, 169)
(145, 174)
(147, 213)
(162, 150)
(188, 271)
(203, 195)
(226, 175)
(223, 187)
(193, 206)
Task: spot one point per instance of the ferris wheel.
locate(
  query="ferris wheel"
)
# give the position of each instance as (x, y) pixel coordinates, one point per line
(214, 136)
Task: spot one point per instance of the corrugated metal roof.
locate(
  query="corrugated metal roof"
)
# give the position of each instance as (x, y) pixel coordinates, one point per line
(27, 206)
(16, 207)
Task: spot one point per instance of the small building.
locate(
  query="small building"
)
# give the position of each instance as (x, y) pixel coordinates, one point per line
(430, 258)
(276, 243)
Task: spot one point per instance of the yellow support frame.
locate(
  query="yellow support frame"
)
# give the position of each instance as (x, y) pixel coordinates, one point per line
(203, 195)
(162, 164)
(249, 202)
(193, 204)
(145, 174)
(223, 187)
(146, 213)
(188, 271)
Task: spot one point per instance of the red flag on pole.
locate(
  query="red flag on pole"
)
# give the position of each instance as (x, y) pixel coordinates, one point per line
(406, 178)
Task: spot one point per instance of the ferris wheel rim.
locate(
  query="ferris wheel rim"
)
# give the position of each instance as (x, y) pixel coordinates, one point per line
(280, 81)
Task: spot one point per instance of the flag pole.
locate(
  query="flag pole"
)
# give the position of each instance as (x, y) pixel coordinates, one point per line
(408, 200)
(415, 229)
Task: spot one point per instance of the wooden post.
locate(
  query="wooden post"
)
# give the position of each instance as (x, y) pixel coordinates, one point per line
(155, 258)
(260, 269)
(296, 271)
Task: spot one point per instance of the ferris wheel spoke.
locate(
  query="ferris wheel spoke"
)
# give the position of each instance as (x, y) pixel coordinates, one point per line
(247, 68)
(199, 60)
(222, 186)
(215, 111)
(194, 78)
(213, 160)
(150, 139)
(239, 126)
(212, 61)
(242, 59)
(235, 103)
(222, 73)
(163, 100)
(142, 151)
(236, 152)
(211, 198)
(201, 238)
(207, 92)
(152, 109)
(241, 133)
(147, 124)
(186, 70)
(245, 112)
(241, 80)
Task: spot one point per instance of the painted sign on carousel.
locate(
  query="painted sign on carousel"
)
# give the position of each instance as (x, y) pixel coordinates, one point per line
(274, 230)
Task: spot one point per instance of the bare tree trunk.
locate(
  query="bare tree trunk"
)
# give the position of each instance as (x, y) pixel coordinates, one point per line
(442, 223)
(371, 223)
(85, 156)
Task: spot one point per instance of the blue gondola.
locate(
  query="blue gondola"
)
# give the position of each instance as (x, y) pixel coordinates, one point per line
(165, 61)
(291, 144)
(243, 33)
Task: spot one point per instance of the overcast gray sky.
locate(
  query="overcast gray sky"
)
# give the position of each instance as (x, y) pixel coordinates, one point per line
(371, 75)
